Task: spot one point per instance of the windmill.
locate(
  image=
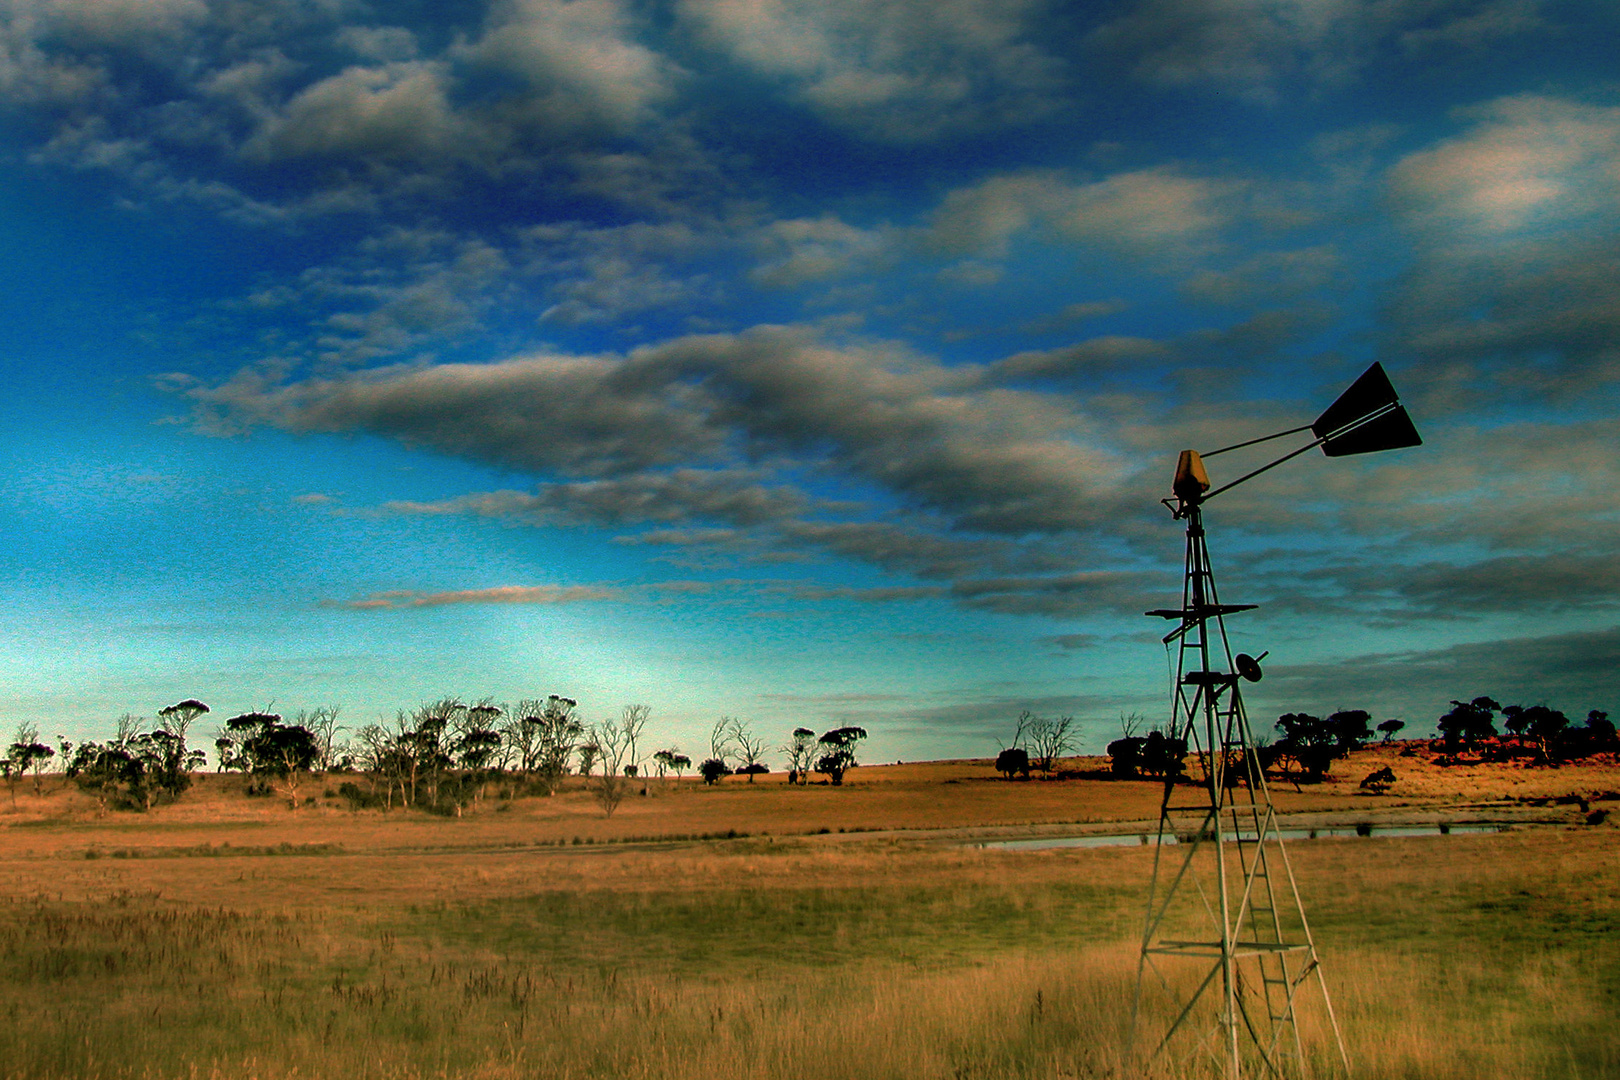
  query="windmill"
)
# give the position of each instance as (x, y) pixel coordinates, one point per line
(1223, 897)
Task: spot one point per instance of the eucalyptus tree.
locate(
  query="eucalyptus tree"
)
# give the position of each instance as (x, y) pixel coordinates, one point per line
(175, 761)
(477, 740)
(476, 748)
(671, 761)
(801, 755)
(26, 753)
(279, 754)
(109, 771)
(550, 734)
(838, 752)
(177, 719)
(427, 734)
(1468, 723)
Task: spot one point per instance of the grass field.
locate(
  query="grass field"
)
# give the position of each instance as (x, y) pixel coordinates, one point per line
(232, 937)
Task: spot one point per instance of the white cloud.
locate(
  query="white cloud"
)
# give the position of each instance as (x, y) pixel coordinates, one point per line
(902, 70)
(1147, 212)
(797, 251)
(1512, 298)
(607, 286)
(579, 57)
(396, 110)
(1528, 161)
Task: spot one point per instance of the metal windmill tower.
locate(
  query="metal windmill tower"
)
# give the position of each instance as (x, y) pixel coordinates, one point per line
(1223, 898)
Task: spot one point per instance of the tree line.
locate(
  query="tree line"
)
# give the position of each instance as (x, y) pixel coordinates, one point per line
(1306, 746)
(442, 757)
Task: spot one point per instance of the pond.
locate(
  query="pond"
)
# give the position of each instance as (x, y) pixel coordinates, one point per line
(1144, 839)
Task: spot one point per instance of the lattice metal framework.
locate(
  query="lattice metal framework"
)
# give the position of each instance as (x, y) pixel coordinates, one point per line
(1223, 905)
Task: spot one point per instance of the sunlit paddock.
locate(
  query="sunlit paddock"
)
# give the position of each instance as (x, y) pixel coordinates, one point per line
(1468, 956)
(966, 796)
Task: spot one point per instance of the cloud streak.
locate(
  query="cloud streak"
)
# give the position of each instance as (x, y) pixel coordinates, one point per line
(404, 599)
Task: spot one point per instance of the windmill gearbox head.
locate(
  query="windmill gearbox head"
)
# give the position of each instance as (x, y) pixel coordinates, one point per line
(1191, 479)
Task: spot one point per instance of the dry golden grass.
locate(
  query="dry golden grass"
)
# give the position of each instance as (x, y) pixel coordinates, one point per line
(331, 943)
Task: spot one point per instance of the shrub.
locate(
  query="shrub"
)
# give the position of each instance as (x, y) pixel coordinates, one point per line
(1013, 760)
(357, 797)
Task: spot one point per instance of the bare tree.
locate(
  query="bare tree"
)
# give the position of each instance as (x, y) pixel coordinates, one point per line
(1045, 739)
(323, 724)
(519, 741)
(507, 754)
(407, 762)
(721, 747)
(129, 726)
(613, 746)
(748, 747)
(631, 723)
(379, 756)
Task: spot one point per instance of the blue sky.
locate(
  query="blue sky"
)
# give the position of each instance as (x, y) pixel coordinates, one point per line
(812, 363)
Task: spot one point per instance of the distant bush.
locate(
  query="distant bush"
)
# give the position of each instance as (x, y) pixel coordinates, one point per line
(1378, 780)
(359, 798)
(1012, 760)
(1154, 755)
